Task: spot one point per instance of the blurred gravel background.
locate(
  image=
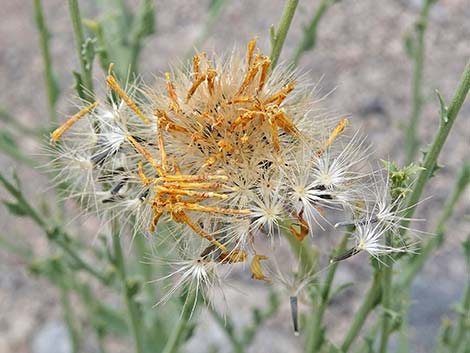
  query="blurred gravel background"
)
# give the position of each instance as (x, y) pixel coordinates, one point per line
(359, 55)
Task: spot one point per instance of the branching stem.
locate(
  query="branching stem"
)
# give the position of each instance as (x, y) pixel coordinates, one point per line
(448, 117)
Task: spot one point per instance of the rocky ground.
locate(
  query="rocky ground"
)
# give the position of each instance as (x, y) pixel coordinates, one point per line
(359, 58)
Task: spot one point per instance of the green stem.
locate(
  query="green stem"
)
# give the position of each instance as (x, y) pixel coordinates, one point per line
(101, 343)
(372, 298)
(463, 348)
(85, 67)
(52, 88)
(20, 251)
(124, 10)
(226, 324)
(143, 27)
(314, 338)
(20, 127)
(307, 256)
(95, 310)
(370, 336)
(69, 316)
(412, 143)
(145, 268)
(417, 262)
(57, 235)
(461, 330)
(309, 37)
(174, 341)
(448, 117)
(280, 34)
(82, 264)
(386, 297)
(134, 316)
(22, 202)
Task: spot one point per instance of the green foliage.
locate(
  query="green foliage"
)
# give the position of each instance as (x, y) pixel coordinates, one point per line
(119, 34)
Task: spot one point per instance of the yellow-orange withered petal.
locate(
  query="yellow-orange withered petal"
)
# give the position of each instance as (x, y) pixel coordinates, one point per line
(257, 270)
(233, 256)
(114, 85)
(57, 133)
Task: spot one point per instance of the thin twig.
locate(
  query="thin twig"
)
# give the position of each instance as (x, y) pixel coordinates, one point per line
(461, 330)
(174, 341)
(418, 51)
(448, 117)
(69, 314)
(85, 67)
(279, 35)
(52, 88)
(226, 324)
(143, 27)
(309, 37)
(372, 298)
(55, 234)
(314, 333)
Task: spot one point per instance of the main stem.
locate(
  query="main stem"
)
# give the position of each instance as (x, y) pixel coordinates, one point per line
(85, 70)
(417, 261)
(174, 340)
(447, 121)
(314, 336)
(80, 262)
(281, 32)
(386, 298)
(132, 309)
(371, 300)
(70, 320)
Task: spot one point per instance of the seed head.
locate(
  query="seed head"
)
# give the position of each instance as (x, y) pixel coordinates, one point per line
(229, 151)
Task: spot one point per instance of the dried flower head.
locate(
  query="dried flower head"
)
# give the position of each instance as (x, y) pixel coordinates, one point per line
(233, 151)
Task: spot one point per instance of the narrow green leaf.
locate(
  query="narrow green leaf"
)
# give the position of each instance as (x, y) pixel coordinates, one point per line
(113, 321)
(22, 251)
(9, 147)
(443, 109)
(15, 208)
(78, 84)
